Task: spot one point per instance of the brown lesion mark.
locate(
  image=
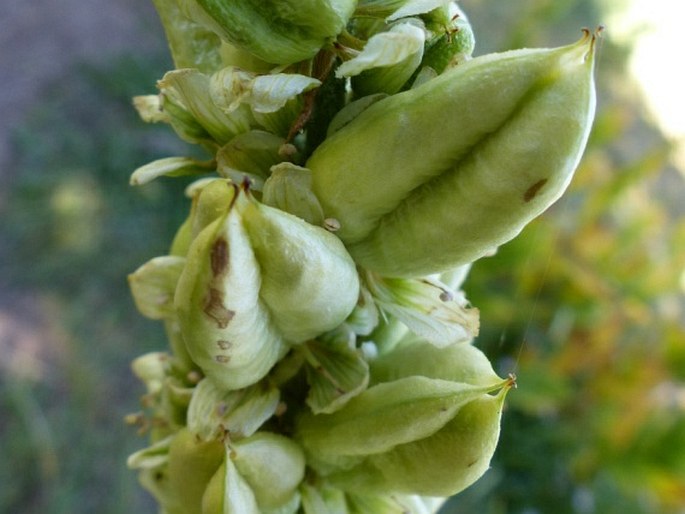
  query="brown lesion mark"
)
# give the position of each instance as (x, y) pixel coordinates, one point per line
(223, 344)
(219, 256)
(222, 359)
(533, 190)
(214, 308)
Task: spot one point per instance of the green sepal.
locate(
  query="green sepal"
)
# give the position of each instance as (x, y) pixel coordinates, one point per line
(289, 188)
(365, 317)
(336, 372)
(152, 457)
(153, 285)
(170, 167)
(250, 156)
(323, 500)
(279, 32)
(272, 465)
(189, 91)
(214, 412)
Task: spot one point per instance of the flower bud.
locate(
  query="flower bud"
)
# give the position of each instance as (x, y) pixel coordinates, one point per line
(279, 32)
(438, 176)
(456, 42)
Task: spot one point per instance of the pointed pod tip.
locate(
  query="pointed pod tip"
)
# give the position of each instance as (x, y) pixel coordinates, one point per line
(589, 40)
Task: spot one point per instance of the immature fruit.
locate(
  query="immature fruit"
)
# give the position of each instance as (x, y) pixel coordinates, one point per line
(440, 175)
(442, 464)
(226, 326)
(192, 463)
(256, 279)
(276, 31)
(383, 417)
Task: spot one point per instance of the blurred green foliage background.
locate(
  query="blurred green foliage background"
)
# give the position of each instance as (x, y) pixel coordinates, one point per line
(585, 307)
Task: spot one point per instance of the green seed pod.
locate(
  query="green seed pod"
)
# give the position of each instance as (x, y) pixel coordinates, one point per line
(273, 466)
(438, 176)
(442, 464)
(382, 417)
(323, 500)
(255, 278)
(228, 492)
(309, 281)
(279, 32)
(414, 356)
(191, 45)
(192, 463)
(391, 504)
(260, 474)
(226, 326)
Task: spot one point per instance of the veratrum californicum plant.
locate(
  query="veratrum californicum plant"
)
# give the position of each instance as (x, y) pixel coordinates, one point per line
(358, 160)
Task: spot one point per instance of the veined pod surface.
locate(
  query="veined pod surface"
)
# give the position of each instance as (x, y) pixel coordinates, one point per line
(442, 464)
(255, 279)
(438, 176)
(276, 31)
(309, 281)
(226, 326)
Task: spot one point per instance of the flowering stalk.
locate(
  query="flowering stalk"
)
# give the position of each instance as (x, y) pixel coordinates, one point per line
(358, 161)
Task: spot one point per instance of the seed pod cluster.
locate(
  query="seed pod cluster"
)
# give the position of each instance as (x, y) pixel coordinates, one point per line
(321, 354)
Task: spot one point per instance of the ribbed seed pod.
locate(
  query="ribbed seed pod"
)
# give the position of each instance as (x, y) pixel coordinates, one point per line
(442, 464)
(226, 326)
(440, 175)
(309, 281)
(276, 31)
(255, 279)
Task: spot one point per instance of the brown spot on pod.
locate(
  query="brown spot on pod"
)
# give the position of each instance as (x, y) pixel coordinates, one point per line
(219, 256)
(222, 359)
(214, 308)
(533, 190)
(223, 344)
